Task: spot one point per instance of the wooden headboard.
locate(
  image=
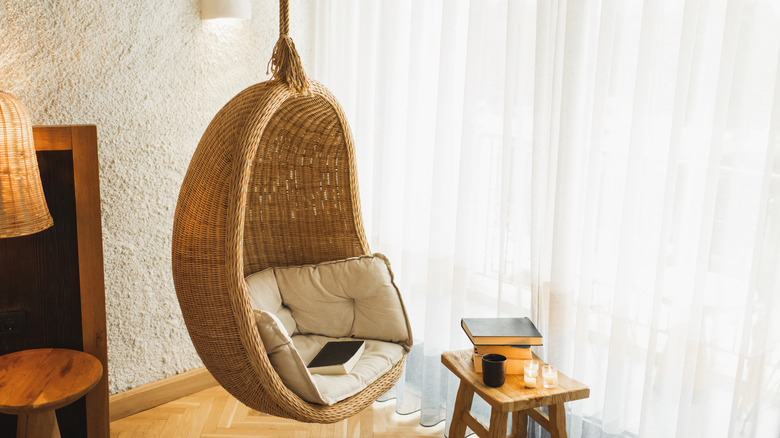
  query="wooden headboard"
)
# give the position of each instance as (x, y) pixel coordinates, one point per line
(56, 276)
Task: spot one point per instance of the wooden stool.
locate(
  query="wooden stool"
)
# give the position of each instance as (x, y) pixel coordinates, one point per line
(511, 397)
(36, 382)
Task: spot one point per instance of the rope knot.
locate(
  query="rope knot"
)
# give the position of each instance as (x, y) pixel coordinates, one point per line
(285, 65)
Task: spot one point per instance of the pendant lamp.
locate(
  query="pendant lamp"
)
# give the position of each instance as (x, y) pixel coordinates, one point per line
(23, 208)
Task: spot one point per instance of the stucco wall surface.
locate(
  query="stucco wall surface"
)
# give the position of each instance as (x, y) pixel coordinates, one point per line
(151, 75)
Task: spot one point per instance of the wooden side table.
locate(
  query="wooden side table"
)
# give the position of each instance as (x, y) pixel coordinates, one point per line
(511, 397)
(33, 383)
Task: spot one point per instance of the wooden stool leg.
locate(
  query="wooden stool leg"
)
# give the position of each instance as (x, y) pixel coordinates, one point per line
(497, 424)
(37, 425)
(462, 407)
(557, 420)
(519, 424)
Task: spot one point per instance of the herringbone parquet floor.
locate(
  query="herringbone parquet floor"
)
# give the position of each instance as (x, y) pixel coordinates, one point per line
(213, 413)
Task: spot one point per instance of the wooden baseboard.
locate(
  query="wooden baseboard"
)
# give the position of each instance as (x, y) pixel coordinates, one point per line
(156, 393)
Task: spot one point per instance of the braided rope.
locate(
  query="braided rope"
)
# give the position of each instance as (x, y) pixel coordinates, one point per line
(285, 64)
(284, 17)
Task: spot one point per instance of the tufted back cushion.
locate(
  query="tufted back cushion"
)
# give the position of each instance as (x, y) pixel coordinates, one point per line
(356, 297)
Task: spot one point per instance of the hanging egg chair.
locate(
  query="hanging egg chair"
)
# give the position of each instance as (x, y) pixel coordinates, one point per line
(272, 183)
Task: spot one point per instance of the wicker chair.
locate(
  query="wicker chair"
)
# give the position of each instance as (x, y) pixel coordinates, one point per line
(272, 183)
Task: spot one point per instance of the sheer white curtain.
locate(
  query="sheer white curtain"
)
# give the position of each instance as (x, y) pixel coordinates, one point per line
(610, 168)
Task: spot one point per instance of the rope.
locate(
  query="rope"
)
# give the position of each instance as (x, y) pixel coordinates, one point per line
(285, 64)
(284, 17)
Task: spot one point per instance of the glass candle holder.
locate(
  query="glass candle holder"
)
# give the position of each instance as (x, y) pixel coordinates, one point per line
(550, 376)
(530, 373)
(530, 382)
(531, 368)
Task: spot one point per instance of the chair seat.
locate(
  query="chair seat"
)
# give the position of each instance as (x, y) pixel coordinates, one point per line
(298, 309)
(377, 359)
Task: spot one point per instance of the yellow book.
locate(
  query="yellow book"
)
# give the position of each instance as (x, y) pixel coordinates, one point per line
(513, 366)
(505, 350)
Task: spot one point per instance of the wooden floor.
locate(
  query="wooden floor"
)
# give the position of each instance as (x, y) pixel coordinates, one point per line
(213, 413)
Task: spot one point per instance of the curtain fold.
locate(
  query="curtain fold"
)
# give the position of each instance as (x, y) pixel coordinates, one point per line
(609, 168)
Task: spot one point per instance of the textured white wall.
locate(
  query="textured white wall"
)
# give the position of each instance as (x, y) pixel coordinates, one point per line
(151, 76)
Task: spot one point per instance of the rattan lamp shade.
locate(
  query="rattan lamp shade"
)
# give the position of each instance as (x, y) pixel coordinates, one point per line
(23, 207)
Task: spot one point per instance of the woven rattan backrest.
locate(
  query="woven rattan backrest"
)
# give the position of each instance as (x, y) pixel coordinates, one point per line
(302, 200)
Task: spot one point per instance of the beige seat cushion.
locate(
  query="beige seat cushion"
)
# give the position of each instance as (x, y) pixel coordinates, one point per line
(290, 356)
(377, 359)
(348, 299)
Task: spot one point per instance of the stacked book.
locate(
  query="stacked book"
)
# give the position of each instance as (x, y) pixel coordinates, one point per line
(510, 337)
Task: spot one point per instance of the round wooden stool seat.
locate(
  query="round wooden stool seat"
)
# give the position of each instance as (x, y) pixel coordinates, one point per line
(33, 383)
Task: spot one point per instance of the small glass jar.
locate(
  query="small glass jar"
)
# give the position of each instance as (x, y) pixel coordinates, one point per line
(549, 376)
(530, 373)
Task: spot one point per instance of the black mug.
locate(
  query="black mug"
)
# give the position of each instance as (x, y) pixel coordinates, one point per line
(493, 370)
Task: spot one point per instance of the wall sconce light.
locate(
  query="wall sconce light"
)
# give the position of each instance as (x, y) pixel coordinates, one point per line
(23, 208)
(210, 9)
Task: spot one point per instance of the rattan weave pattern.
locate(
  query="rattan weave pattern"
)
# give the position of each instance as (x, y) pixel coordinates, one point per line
(273, 182)
(302, 212)
(23, 208)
